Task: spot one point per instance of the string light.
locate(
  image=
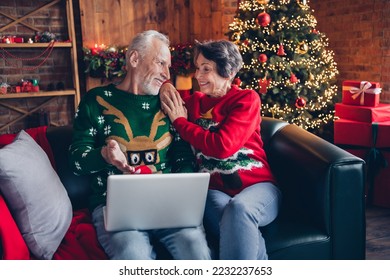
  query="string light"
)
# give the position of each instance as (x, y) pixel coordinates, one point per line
(314, 67)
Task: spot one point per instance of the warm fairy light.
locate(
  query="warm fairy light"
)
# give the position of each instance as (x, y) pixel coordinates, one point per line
(314, 67)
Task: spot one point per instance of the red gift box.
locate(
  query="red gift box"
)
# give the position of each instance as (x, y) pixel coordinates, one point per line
(380, 185)
(347, 132)
(18, 40)
(381, 196)
(7, 39)
(371, 142)
(361, 93)
(380, 113)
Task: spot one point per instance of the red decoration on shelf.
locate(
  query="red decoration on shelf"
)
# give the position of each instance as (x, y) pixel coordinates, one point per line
(281, 51)
(300, 102)
(263, 19)
(263, 58)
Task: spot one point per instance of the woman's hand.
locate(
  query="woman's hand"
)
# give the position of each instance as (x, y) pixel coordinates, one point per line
(171, 102)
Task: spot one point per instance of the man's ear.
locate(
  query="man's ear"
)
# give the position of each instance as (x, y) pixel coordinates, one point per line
(134, 58)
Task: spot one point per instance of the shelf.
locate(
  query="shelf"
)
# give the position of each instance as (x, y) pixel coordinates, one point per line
(39, 104)
(36, 45)
(37, 94)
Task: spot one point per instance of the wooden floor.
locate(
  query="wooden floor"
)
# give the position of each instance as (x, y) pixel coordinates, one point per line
(377, 233)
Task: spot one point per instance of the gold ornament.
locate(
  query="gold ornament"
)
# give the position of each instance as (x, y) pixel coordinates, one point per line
(311, 77)
(236, 37)
(302, 48)
(302, 3)
(264, 2)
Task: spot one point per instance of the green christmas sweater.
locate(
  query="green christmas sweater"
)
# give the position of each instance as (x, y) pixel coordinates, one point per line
(137, 123)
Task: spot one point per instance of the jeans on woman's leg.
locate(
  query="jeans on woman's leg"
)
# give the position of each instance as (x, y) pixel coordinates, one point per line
(239, 220)
(122, 245)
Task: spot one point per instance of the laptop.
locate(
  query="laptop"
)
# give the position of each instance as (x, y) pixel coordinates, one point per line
(155, 201)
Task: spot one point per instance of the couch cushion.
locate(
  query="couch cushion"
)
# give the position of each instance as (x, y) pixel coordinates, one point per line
(35, 195)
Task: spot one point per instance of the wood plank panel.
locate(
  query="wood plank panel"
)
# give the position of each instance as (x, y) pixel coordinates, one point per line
(116, 22)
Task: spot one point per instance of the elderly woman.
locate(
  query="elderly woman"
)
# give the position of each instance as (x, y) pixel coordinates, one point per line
(222, 123)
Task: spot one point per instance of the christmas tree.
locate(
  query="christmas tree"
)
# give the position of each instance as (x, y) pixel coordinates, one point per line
(286, 61)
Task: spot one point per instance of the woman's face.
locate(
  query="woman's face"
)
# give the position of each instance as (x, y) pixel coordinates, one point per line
(208, 79)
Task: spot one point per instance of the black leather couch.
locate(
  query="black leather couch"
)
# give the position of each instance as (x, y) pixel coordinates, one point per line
(323, 209)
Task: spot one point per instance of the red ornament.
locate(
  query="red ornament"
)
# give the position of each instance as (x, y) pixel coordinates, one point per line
(263, 85)
(263, 19)
(293, 78)
(237, 82)
(263, 58)
(300, 102)
(281, 50)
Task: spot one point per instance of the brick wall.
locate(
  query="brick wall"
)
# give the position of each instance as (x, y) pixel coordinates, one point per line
(359, 34)
(56, 69)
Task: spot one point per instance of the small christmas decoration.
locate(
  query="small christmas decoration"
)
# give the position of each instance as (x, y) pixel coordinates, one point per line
(281, 50)
(300, 102)
(293, 78)
(182, 59)
(236, 37)
(302, 3)
(237, 82)
(263, 19)
(44, 37)
(105, 62)
(264, 2)
(3, 88)
(263, 58)
(263, 85)
(302, 48)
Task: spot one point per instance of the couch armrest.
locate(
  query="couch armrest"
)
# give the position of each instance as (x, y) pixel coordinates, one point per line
(322, 185)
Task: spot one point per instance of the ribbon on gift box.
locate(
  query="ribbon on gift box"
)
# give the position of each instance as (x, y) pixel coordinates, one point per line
(365, 87)
(375, 161)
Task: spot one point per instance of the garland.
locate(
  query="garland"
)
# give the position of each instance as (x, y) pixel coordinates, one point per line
(48, 50)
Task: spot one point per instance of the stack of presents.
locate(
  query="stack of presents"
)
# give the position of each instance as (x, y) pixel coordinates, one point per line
(363, 129)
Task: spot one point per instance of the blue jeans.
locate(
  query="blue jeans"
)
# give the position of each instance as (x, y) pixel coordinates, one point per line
(236, 220)
(182, 243)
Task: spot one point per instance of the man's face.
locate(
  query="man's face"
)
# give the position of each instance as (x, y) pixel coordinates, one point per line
(153, 68)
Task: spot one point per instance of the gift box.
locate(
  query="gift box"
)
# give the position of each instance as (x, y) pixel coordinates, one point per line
(381, 190)
(347, 132)
(361, 93)
(18, 40)
(371, 142)
(7, 39)
(380, 113)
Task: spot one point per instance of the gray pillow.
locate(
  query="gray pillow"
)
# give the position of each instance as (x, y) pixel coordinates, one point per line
(35, 195)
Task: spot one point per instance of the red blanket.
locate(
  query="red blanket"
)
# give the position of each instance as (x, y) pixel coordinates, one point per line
(80, 241)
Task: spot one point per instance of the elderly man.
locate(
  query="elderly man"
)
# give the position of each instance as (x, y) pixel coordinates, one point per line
(121, 129)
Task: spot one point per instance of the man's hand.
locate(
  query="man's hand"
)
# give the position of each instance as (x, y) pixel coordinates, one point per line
(114, 156)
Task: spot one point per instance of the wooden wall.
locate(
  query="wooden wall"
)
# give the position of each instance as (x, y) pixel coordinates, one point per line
(115, 22)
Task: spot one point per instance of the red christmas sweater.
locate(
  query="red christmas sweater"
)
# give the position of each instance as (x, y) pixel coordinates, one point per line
(225, 133)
